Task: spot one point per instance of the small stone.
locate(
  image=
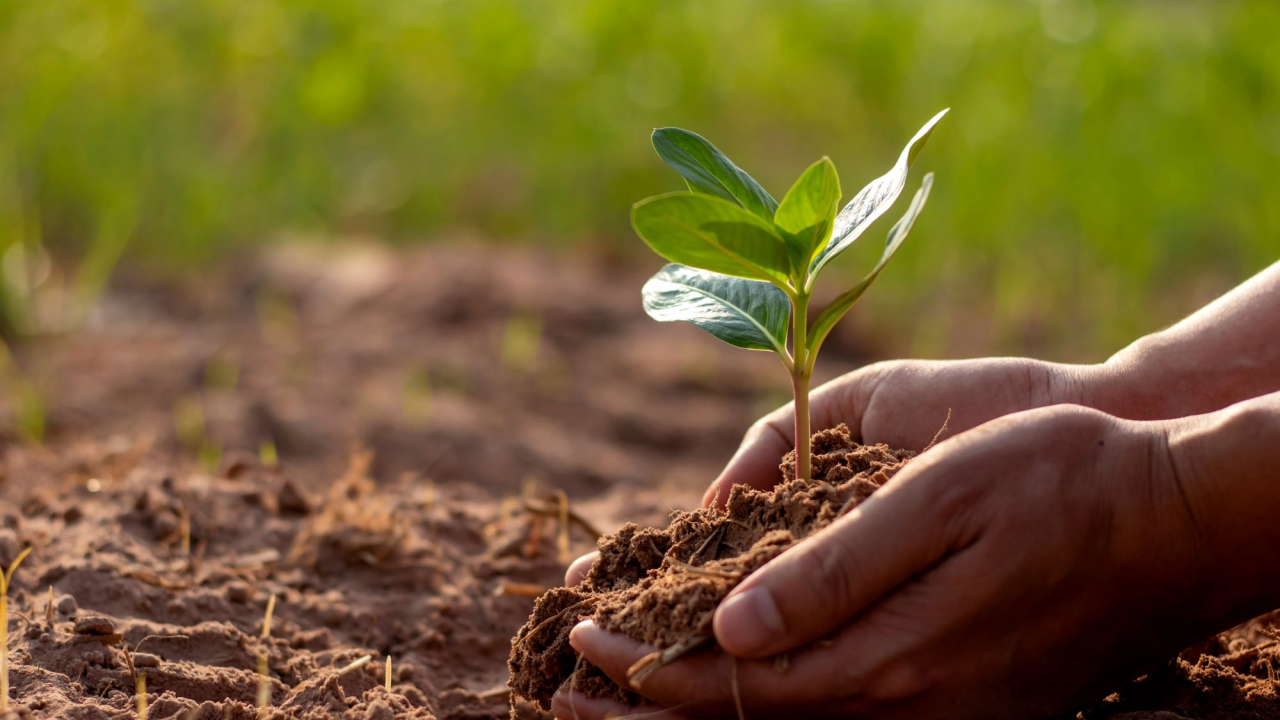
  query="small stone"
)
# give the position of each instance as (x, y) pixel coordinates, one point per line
(238, 592)
(165, 525)
(146, 660)
(33, 631)
(94, 625)
(292, 500)
(67, 605)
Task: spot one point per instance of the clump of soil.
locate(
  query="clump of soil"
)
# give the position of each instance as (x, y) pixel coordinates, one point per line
(662, 586)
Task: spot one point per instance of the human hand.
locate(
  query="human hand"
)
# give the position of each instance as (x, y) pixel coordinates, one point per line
(1010, 572)
(904, 404)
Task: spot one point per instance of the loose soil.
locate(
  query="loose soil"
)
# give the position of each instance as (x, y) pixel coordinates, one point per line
(377, 440)
(662, 586)
(425, 407)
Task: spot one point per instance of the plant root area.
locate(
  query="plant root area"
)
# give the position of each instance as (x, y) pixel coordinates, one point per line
(662, 587)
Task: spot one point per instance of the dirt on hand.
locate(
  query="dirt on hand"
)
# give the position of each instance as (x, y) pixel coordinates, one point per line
(662, 586)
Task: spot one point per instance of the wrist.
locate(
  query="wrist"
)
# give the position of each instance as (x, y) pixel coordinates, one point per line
(1159, 377)
(1228, 469)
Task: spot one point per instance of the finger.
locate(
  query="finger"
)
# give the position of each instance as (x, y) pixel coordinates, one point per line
(705, 683)
(818, 585)
(755, 464)
(615, 654)
(577, 571)
(573, 705)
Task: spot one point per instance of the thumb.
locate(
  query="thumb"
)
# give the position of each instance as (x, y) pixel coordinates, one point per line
(817, 586)
(755, 464)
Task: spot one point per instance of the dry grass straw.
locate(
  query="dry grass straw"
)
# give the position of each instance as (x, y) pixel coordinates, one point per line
(5, 579)
(355, 664)
(264, 677)
(140, 692)
(515, 589)
(562, 536)
(651, 663)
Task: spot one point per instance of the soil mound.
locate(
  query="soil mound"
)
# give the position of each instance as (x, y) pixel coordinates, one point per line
(662, 586)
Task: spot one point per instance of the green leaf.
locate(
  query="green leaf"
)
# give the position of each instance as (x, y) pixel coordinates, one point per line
(708, 171)
(831, 314)
(808, 211)
(746, 313)
(873, 200)
(712, 234)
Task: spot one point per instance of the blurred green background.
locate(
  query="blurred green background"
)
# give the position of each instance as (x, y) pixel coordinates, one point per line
(1106, 166)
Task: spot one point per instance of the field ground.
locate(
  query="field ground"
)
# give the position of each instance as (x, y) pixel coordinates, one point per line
(415, 404)
(378, 441)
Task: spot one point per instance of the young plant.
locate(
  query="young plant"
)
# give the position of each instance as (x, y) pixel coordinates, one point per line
(264, 673)
(6, 578)
(744, 265)
(140, 694)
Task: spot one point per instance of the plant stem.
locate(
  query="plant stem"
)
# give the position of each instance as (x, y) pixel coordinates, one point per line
(800, 374)
(800, 385)
(4, 651)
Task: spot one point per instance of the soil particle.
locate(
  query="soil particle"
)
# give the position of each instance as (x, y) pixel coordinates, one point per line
(94, 625)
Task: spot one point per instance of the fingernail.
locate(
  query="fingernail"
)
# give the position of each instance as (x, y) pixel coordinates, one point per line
(575, 635)
(748, 621)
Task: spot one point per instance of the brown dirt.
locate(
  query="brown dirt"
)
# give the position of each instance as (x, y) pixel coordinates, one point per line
(417, 402)
(420, 404)
(662, 586)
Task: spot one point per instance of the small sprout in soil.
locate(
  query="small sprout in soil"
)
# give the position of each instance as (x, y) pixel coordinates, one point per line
(562, 534)
(267, 454)
(140, 689)
(415, 398)
(5, 578)
(387, 682)
(264, 677)
(184, 532)
(26, 394)
(521, 339)
(189, 424)
(743, 265)
(48, 609)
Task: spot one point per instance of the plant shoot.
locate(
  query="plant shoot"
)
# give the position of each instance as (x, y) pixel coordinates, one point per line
(5, 578)
(264, 673)
(743, 265)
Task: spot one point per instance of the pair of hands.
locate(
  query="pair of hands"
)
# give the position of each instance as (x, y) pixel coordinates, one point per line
(1042, 551)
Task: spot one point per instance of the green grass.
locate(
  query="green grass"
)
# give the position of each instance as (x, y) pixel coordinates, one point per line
(1100, 161)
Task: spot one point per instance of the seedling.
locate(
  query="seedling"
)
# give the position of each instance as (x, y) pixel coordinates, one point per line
(387, 681)
(264, 676)
(744, 265)
(5, 578)
(140, 691)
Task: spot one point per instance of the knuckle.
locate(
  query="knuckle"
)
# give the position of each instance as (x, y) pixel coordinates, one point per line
(831, 572)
